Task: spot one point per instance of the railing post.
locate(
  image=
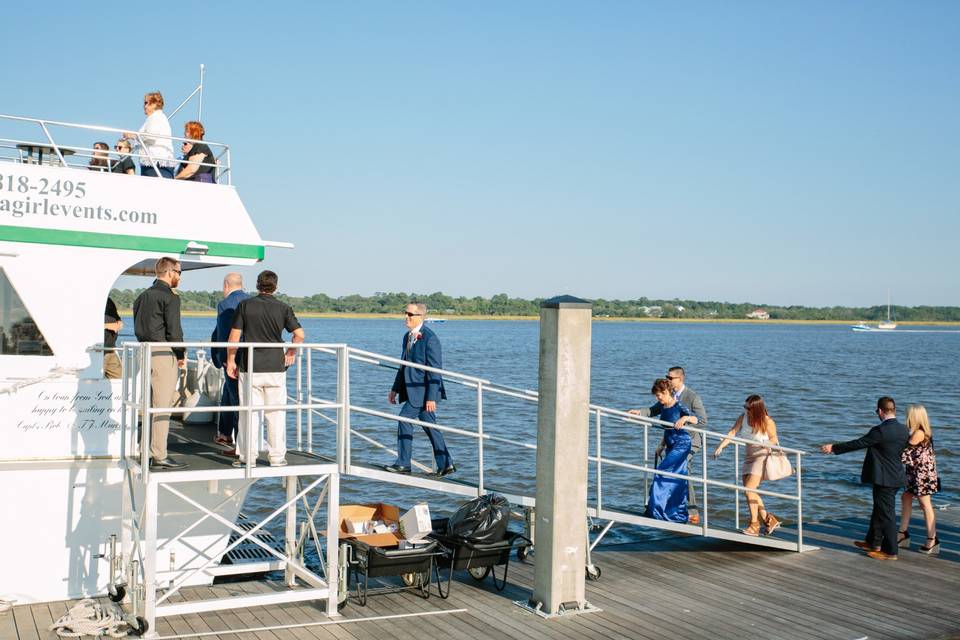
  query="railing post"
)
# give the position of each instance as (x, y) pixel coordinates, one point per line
(43, 125)
(705, 517)
(343, 412)
(310, 398)
(736, 481)
(299, 373)
(124, 409)
(646, 463)
(333, 528)
(599, 472)
(799, 503)
(248, 387)
(480, 438)
(146, 423)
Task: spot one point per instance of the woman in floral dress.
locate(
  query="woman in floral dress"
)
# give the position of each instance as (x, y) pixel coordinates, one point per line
(922, 479)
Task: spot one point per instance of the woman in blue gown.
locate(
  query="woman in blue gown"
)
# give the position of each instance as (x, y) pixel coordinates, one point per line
(668, 496)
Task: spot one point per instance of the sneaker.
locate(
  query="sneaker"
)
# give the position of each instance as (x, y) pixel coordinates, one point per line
(239, 464)
(224, 440)
(279, 463)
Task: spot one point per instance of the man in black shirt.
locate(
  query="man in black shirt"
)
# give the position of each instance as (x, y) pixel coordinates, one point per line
(263, 319)
(156, 318)
(111, 328)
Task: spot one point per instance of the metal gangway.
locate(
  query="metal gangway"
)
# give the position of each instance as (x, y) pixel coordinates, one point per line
(334, 433)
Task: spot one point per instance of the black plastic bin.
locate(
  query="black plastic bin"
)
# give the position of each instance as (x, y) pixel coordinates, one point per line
(365, 562)
(478, 559)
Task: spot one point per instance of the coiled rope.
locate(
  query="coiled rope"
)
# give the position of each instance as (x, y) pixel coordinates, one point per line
(90, 618)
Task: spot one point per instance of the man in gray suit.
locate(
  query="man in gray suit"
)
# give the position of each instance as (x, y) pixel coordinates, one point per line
(691, 400)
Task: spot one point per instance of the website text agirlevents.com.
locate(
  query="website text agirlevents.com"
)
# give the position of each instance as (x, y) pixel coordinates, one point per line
(18, 199)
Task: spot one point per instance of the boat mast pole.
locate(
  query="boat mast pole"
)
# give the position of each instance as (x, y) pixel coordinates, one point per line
(200, 101)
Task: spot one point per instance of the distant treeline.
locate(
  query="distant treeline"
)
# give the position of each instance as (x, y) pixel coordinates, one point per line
(503, 305)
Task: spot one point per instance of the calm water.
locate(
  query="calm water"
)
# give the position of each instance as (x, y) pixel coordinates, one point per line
(820, 383)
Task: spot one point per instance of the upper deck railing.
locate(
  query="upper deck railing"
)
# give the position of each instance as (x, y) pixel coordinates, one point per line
(322, 369)
(55, 143)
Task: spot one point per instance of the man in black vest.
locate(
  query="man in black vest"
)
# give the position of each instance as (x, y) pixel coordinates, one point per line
(883, 469)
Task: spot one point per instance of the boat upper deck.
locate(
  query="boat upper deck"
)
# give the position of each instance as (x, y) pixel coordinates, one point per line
(681, 587)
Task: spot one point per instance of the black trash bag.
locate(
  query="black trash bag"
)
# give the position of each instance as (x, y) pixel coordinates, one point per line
(483, 520)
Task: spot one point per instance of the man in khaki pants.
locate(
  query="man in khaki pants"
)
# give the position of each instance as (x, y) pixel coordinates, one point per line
(156, 318)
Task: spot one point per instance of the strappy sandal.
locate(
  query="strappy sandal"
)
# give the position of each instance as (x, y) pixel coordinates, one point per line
(933, 548)
(771, 522)
(753, 529)
(903, 539)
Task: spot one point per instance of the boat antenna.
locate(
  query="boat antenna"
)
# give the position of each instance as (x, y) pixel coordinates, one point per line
(200, 105)
(198, 90)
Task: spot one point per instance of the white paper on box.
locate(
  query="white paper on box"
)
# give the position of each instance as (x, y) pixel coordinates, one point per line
(415, 524)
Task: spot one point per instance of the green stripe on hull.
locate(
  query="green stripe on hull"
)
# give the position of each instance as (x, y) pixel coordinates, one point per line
(129, 243)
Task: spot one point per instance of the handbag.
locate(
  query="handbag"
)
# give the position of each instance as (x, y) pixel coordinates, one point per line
(776, 465)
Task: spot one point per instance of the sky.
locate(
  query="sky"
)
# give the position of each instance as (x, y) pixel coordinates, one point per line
(776, 153)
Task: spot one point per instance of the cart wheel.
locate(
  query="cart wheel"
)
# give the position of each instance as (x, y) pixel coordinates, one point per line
(409, 579)
(478, 573)
(117, 593)
(342, 604)
(523, 553)
(593, 572)
(141, 627)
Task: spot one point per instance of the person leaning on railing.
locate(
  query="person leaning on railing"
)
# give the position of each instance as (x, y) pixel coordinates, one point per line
(763, 432)
(195, 153)
(154, 139)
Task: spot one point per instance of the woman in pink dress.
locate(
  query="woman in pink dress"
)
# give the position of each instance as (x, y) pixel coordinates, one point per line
(922, 479)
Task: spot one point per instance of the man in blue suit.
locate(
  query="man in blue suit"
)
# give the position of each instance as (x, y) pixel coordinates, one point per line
(419, 392)
(230, 396)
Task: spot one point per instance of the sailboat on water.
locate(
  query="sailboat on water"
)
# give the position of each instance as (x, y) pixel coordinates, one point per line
(883, 325)
(889, 324)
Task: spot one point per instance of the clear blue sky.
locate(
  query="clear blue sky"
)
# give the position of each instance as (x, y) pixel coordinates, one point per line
(782, 154)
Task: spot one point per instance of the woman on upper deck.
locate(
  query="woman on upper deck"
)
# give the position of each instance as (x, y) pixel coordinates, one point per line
(101, 157)
(125, 163)
(195, 153)
(154, 139)
(922, 479)
(762, 433)
(668, 495)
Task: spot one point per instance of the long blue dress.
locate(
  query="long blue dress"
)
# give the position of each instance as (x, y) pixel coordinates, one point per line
(668, 496)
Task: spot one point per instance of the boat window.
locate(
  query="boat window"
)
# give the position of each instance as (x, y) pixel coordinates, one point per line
(19, 334)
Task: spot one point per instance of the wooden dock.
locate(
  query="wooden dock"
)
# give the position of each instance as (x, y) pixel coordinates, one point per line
(677, 588)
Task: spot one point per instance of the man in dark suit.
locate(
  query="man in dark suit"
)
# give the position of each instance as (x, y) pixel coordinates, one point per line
(691, 400)
(883, 469)
(227, 421)
(419, 392)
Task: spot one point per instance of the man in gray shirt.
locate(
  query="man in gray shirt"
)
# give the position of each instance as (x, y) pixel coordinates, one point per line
(691, 400)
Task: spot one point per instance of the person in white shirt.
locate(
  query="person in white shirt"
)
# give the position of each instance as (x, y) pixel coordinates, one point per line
(154, 139)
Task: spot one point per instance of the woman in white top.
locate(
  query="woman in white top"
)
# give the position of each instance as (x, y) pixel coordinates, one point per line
(763, 431)
(155, 144)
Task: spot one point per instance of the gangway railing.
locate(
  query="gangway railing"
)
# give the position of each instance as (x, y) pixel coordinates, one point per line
(599, 507)
(32, 150)
(322, 389)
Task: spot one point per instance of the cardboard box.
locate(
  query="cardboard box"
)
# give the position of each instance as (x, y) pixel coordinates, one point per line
(354, 516)
(415, 524)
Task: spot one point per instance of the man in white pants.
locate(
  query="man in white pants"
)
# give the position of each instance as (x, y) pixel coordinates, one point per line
(262, 319)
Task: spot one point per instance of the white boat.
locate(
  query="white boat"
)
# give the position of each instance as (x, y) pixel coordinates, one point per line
(66, 235)
(888, 324)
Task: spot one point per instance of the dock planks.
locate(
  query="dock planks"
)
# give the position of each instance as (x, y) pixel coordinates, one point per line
(680, 587)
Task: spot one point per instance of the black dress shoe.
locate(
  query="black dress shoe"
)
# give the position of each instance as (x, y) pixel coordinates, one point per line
(393, 468)
(446, 472)
(166, 463)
